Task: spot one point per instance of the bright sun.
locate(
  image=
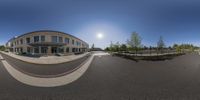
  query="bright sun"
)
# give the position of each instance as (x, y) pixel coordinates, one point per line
(99, 35)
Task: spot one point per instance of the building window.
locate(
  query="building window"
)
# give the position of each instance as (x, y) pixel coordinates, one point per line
(42, 38)
(54, 39)
(36, 38)
(36, 50)
(21, 50)
(73, 42)
(18, 50)
(60, 39)
(67, 40)
(28, 40)
(44, 49)
(17, 42)
(67, 49)
(73, 49)
(28, 50)
(11, 44)
(61, 50)
(21, 41)
(78, 43)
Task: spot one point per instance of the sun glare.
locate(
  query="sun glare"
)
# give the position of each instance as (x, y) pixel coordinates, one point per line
(100, 35)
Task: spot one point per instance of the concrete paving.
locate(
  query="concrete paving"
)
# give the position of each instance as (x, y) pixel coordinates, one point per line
(46, 60)
(29, 79)
(114, 78)
(44, 70)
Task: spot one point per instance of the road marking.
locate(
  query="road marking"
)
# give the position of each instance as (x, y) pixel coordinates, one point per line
(48, 82)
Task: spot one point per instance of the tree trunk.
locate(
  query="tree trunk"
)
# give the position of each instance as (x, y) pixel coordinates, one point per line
(136, 51)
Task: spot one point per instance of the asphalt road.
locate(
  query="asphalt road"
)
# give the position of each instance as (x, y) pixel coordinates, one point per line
(114, 78)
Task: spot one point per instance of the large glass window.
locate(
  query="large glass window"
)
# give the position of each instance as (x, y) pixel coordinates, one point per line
(36, 50)
(60, 39)
(61, 50)
(67, 49)
(73, 42)
(28, 40)
(21, 50)
(67, 40)
(54, 49)
(44, 49)
(36, 38)
(73, 49)
(42, 38)
(54, 39)
(78, 43)
(28, 50)
(21, 41)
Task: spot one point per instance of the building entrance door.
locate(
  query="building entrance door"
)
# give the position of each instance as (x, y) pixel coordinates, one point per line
(44, 50)
(54, 50)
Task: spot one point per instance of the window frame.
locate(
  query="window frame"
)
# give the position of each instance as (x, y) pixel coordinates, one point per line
(60, 39)
(42, 37)
(54, 37)
(67, 40)
(35, 39)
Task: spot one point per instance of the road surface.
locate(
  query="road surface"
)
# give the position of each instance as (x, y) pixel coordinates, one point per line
(114, 78)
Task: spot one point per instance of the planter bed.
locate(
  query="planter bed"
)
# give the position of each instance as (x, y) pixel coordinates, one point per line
(149, 58)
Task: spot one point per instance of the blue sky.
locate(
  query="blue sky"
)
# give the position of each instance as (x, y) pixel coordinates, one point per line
(177, 21)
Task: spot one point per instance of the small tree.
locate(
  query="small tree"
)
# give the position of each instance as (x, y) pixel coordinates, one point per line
(111, 46)
(117, 46)
(107, 49)
(135, 41)
(160, 44)
(175, 46)
(178, 49)
(123, 47)
(150, 48)
(2, 48)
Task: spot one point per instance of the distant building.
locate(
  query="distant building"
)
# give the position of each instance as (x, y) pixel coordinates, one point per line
(96, 49)
(46, 42)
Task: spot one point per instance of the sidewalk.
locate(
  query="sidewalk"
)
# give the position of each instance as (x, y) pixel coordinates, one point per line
(50, 81)
(46, 60)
